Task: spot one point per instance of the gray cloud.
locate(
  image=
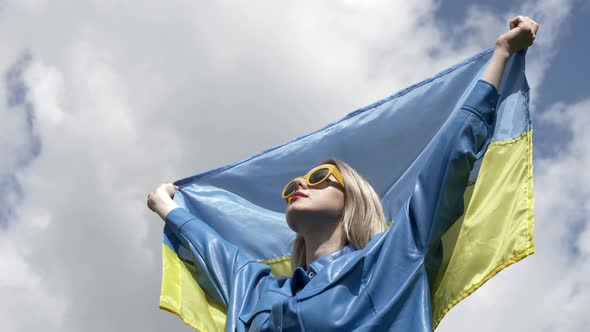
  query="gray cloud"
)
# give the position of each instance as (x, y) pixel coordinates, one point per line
(19, 142)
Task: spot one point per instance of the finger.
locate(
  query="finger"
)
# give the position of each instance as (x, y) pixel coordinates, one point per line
(525, 20)
(516, 21)
(148, 202)
(522, 21)
(513, 22)
(525, 23)
(170, 189)
(535, 27)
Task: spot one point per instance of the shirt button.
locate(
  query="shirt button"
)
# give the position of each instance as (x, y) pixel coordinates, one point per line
(311, 274)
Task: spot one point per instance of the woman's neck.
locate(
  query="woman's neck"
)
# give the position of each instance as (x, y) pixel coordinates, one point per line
(318, 244)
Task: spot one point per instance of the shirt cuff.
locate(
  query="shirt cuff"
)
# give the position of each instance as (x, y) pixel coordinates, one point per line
(178, 217)
(483, 99)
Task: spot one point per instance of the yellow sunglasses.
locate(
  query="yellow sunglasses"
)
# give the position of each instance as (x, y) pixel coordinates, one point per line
(314, 178)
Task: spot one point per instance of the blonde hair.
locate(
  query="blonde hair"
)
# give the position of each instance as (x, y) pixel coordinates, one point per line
(362, 217)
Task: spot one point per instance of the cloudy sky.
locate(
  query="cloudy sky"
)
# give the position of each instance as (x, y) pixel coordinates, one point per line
(103, 100)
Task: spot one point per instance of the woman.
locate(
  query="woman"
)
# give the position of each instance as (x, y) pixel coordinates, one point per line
(349, 274)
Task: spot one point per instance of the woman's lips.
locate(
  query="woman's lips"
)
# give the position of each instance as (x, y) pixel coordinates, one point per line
(297, 195)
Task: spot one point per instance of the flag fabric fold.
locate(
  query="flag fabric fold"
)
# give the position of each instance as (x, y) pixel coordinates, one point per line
(388, 142)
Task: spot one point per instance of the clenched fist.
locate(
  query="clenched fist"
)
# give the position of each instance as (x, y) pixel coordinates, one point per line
(160, 199)
(522, 34)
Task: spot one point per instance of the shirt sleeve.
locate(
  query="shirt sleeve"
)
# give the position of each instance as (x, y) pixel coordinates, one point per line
(437, 199)
(216, 260)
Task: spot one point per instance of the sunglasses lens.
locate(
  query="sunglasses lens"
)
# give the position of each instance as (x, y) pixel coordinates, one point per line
(318, 176)
(290, 188)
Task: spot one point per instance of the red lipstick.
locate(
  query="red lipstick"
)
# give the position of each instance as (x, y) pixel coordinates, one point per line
(297, 194)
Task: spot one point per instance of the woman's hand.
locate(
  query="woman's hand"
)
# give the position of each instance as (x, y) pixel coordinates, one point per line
(160, 199)
(521, 35)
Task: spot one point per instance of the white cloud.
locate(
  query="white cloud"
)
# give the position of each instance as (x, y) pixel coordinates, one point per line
(48, 83)
(130, 95)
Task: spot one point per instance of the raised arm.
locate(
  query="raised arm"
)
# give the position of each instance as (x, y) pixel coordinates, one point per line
(437, 200)
(522, 33)
(216, 260)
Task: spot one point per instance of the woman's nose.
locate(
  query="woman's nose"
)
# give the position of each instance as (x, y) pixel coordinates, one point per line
(301, 182)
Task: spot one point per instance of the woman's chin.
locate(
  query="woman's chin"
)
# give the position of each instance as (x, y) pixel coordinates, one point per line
(302, 214)
(297, 204)
(299, 211)
(297, 214)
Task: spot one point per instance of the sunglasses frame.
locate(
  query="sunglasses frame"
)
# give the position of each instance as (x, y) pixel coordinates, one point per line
(332, 170)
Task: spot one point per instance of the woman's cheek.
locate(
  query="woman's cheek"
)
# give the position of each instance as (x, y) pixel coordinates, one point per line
(333, 205)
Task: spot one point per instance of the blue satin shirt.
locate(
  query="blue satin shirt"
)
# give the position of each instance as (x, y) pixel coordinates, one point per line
(383, 286)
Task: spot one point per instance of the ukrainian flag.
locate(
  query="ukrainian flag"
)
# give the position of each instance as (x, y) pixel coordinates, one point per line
(388, 142)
